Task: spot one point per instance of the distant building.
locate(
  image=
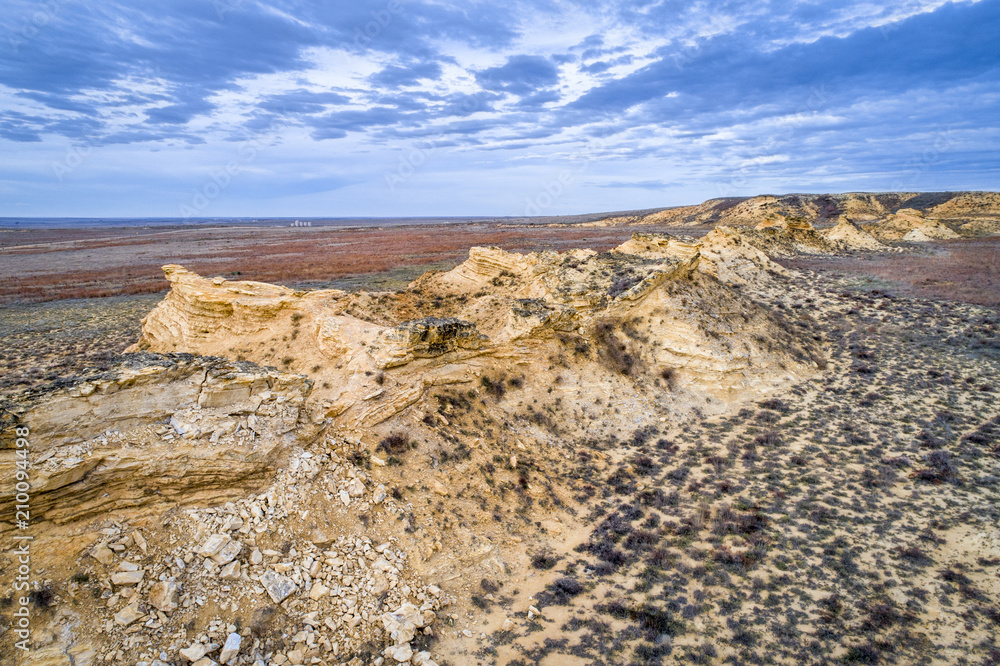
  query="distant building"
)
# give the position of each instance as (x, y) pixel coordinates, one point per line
(298, 223)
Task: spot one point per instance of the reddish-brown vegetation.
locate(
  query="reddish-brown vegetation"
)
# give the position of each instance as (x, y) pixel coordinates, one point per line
(966, 270)
(44, 265)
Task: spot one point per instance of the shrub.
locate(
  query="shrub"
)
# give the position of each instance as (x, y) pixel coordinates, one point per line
(670, 376)
(566, 588)
(395, 444)
(776, 405)
(544, 561)
(769, 438)
(495, 388)
(623, 284)
(863, 654)
(940, 468)
(611, 350)
(881, 615)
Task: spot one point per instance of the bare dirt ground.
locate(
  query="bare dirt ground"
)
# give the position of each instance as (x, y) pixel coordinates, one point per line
(44, 342)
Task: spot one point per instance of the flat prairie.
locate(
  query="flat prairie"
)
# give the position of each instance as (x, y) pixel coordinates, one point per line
(55, 264)
(965, 269)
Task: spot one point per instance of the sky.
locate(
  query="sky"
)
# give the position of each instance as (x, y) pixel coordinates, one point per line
(240, 108)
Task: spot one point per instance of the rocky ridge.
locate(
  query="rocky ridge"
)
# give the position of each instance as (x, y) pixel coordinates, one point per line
(226, 511)
(966, 214)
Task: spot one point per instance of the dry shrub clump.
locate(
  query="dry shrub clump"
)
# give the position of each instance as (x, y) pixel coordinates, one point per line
(612, 351)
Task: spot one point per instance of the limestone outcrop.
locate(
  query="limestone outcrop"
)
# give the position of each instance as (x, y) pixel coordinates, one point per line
(256, 438)
(905, 221)
(157, 430)
(724, 253)
(373, 355)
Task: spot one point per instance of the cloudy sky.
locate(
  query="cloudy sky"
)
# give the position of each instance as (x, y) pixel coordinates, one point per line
(214, 108)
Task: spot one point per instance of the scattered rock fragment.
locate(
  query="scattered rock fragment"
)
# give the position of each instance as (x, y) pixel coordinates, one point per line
(231, 649)
(129, 614)
(231, 571)
(422, 659)
(402, 624)
(318, 591)
(102, 554)
(278, 587)
(227, 553)
(214, 545)
(400, 653)
(126, 578)
(194, 652)
(140, 542)
(163, 596)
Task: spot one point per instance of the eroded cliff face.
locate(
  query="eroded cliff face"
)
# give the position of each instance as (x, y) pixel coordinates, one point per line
(909, 224)
(848, 236)
(670, 306)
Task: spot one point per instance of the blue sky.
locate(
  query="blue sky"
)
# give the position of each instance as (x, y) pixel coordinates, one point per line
(404, 107)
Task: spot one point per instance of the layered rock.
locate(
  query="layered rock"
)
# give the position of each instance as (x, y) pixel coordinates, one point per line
(966, 207)
(724, 253)
(491, 365)
(429, 337)
(372, 359)
(158, 429)
(902, 222)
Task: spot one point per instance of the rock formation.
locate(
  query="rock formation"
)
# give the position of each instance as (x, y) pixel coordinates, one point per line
(724, 253)
(371, 357)
(968, 213)
(157, 430)
(848, 237)
(907, 220)
(181, 478)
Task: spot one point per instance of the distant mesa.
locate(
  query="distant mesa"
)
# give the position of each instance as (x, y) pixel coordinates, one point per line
(886, 216)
